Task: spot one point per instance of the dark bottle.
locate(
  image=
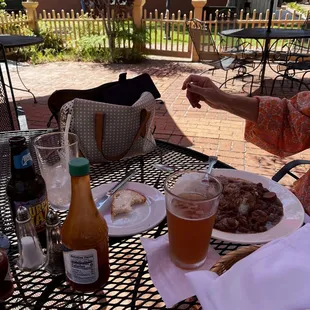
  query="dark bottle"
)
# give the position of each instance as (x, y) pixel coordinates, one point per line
(26, 187)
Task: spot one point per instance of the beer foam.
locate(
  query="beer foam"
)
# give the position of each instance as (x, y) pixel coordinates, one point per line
(191, 209)
(193, 182)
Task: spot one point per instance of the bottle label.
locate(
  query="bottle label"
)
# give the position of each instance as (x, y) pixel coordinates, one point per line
(81, 266)
(23, 160)
(38, 209)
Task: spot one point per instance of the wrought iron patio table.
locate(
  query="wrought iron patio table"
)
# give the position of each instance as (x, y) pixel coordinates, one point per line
(130, 285)
(264, 34)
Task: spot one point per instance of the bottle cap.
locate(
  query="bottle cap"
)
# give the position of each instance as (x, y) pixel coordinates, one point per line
(22, 214)
(52, 218)
(17, 140)
(79, 167)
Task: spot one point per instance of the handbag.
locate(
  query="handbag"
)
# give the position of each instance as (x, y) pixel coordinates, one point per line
(122, 92)
(110, 132)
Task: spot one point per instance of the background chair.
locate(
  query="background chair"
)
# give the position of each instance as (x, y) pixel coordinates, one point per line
(294, 59)
(12, 117)
(287, 169)
(293, 63)
(204, 45)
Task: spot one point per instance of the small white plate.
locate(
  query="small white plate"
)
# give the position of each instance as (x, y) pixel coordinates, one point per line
(143, 217)
(292, 219)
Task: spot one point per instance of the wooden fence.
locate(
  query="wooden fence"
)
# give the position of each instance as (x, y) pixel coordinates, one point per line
(14, 24)
(167, 34)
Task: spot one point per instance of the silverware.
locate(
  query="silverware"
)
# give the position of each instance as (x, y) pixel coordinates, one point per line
(172, 168)
(101, 201)
(212, 161)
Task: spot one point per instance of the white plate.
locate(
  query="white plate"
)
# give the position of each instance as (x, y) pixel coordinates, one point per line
(292, 219)
(143, 217)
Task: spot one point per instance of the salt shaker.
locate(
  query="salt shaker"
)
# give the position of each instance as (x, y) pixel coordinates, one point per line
(31, 256)
(55, 261)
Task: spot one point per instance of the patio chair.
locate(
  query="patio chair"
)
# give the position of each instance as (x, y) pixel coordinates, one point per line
(202, 38)
(236, 47)
(287, 169)
(12, 117)
(292, 64)
(299, 48)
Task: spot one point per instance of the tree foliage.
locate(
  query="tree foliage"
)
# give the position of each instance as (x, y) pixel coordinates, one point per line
(2, 4)
(112, 11)
(103, 7)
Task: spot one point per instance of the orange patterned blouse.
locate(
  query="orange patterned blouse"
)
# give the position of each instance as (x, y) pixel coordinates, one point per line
(283, 129)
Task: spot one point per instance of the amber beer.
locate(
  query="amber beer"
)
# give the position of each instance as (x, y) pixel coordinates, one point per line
(27, 188)
(191, 210)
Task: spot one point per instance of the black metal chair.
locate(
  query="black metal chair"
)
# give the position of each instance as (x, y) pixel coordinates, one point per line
(12, 117)
(287, 169)
(290, 69)
(204, 44)
(294, 59)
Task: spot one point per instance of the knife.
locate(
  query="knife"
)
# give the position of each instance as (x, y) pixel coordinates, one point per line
(101, 201)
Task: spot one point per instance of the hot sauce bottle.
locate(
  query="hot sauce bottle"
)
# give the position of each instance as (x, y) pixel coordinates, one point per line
(84, 234)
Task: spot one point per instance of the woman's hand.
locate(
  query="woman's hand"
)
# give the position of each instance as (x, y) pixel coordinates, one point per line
(201, 88)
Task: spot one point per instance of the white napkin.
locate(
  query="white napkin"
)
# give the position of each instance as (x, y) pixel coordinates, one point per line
(275, 277)
(170, 280)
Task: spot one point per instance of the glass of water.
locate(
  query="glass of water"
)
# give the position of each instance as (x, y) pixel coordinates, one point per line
(54, 152)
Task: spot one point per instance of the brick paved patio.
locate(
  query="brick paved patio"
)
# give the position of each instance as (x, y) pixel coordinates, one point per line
(209, 131)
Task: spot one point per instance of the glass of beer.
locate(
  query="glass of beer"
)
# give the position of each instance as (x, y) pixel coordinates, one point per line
(192, 199)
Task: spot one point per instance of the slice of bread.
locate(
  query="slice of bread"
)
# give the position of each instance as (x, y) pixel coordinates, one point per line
(124, 199)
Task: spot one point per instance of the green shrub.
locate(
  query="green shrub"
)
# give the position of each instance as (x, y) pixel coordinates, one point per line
(91, 48)
(88, 48)
(297, 7)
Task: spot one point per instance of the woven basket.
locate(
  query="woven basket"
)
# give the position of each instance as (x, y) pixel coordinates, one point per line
(228, 260)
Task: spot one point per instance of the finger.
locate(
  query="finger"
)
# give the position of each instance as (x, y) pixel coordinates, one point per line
(196, 90)
(192, 78)
(193, 99)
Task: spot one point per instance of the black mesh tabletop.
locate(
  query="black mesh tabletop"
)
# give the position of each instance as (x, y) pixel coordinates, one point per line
(130, 285)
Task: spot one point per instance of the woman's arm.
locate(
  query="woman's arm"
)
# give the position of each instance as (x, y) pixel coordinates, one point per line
(244, 107)
(283, 126)
(279, 126)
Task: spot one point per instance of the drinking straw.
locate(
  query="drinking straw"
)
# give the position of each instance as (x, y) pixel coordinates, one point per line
(68, 122)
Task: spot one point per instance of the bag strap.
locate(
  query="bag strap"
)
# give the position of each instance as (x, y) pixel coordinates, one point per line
(99, 129)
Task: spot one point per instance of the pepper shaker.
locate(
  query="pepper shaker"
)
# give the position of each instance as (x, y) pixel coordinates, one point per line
(31, 256)
(55, 261)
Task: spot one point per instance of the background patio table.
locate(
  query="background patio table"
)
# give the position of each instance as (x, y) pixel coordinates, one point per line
(130, 285)
(263, 34)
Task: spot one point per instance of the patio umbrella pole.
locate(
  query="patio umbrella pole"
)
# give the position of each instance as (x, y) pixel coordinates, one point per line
(270, 15)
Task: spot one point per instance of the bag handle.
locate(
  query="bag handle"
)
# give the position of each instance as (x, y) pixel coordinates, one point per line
(99, 129)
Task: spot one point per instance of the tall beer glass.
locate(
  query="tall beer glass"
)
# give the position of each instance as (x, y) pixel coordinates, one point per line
(191, 201)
